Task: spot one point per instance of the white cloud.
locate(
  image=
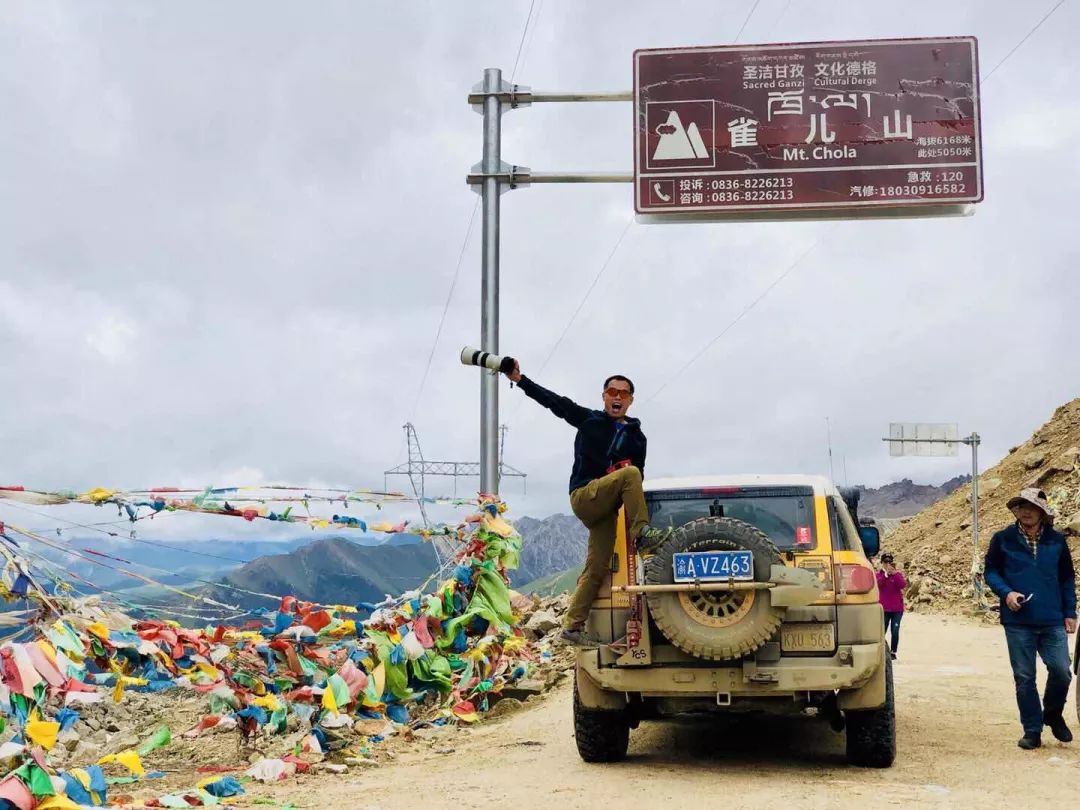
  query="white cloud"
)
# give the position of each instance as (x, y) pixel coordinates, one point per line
(53, 318)
(112, 337)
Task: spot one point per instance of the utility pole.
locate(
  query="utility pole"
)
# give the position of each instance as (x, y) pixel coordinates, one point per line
(490, 178)
(489, 280)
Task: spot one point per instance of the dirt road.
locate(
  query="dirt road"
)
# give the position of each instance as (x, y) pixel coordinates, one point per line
(957, 748)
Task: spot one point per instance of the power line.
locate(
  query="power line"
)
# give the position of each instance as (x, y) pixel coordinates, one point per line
(189, 551)
(522, 42)
(1016, 47)
(529, 41)
(776, 22)
(465, 241)
(93, 560)
(120, 600)
(588, 292)
(753, 8)
(446, 306)
(93, 527)
(743, 313)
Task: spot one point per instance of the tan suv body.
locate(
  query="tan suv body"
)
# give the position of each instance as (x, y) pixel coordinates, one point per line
(763, 599)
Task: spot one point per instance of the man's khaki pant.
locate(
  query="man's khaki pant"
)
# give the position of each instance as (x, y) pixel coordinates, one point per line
(597, 506)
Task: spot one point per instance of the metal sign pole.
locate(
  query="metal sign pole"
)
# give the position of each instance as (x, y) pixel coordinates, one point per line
(905, 438)
(491, 176)
(974, 440)
(489, 284)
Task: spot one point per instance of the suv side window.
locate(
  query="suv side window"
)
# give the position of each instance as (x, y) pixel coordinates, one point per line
(845, 536)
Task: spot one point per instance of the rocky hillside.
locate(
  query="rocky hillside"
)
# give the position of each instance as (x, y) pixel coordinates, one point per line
(551, 545)
(935, 547)
(905, 498)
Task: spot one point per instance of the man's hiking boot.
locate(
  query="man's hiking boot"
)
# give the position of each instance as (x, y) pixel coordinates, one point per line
(577, 637)
(1029, 742)
(1057, 726)
(651, 538)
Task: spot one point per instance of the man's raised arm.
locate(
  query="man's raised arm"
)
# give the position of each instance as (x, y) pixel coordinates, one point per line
(562, 407)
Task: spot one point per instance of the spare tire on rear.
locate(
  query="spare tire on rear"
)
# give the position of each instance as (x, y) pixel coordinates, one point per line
(716, 625)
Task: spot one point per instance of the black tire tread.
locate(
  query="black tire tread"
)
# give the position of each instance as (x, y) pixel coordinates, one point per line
(871, 733)
(717, 644)
(601, 736)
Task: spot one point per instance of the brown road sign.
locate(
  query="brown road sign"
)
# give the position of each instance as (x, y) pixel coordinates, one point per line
(822, 125)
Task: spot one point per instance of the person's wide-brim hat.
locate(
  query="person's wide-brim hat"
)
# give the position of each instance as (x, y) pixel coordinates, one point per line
(1036, 497)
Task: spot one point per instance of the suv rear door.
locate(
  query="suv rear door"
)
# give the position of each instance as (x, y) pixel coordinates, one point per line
(803, 526)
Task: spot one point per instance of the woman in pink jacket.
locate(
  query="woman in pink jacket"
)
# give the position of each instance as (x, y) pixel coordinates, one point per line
(891, 585)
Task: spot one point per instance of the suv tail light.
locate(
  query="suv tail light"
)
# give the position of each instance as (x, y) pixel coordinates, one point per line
(855, 578)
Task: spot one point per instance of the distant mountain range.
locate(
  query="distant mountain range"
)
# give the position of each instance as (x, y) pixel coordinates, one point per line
(550, 545)
(103, 559)
(340, 571)
(333, 570)
(177, 562)
(905, 498)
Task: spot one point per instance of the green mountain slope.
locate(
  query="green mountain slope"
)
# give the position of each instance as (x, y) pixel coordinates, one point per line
(553, 584)
(332, 571)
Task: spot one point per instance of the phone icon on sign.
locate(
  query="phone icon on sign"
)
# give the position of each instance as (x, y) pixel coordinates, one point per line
(659, 193)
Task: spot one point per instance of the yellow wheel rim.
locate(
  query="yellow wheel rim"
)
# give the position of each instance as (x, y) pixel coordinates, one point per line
(717, 608)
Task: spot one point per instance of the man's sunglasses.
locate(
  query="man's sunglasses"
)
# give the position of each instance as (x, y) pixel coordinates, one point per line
(617, 393)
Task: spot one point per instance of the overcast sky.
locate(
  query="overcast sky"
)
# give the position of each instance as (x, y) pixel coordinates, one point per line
(228, 231)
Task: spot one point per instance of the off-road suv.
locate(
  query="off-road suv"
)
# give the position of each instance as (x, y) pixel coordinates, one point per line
(761, 599)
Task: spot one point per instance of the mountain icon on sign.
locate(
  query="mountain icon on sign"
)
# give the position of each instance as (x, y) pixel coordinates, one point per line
(678, 142)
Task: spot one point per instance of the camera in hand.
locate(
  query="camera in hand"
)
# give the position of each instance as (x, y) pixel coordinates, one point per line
(496, 362)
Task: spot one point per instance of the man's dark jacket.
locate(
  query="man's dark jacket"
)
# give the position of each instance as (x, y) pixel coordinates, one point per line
(1048, 576)
(599, 444)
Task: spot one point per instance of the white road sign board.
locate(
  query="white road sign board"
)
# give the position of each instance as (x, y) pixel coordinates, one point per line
(923, 439)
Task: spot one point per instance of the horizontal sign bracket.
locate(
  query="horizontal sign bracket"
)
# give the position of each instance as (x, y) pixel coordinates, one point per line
(515, 176)
(972, 439)
(520, 96)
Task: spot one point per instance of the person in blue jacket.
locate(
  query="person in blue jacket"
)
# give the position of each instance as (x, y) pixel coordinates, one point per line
(1029, 567)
